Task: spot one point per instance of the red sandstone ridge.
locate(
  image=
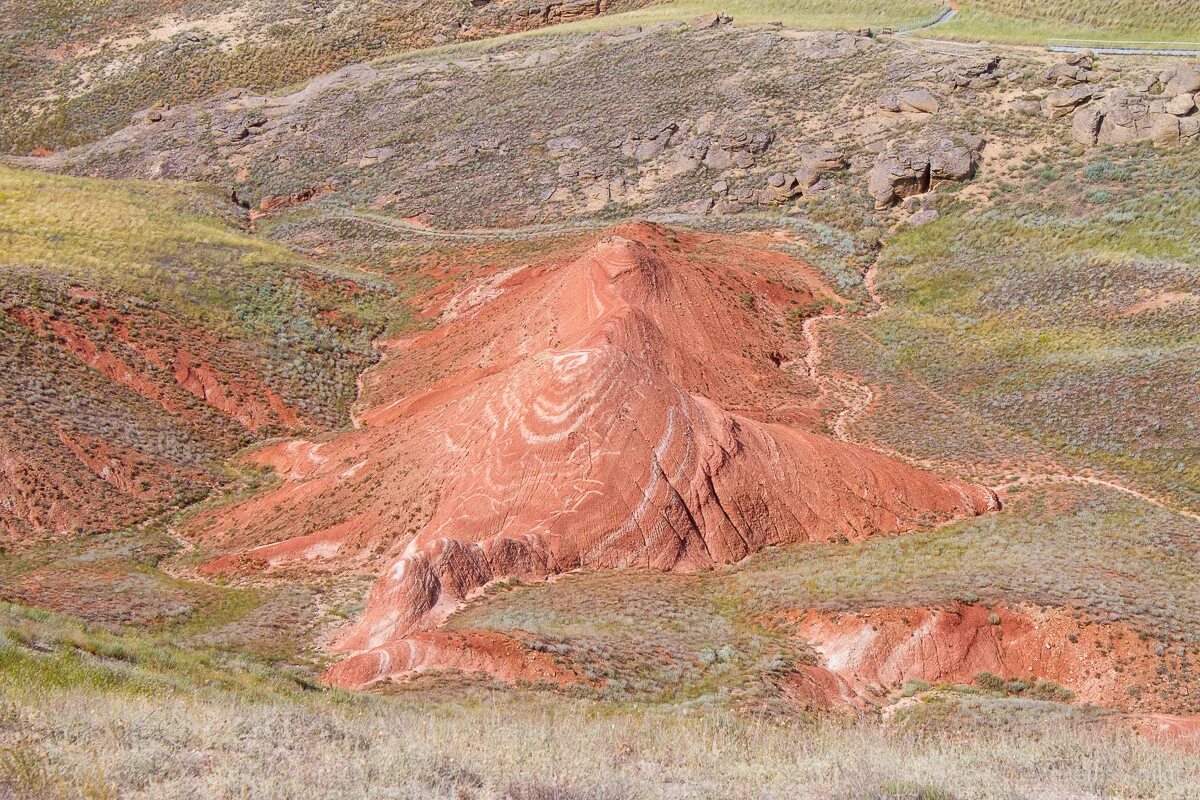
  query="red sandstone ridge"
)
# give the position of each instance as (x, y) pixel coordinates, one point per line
(885, 647)
(637, 403)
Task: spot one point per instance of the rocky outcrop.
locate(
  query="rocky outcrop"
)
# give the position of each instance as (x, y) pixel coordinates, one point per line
(1162, 110)
(826, 45)
(1123, 116)
(735, 149)
(552, 12)
(779, 189)
(954, 75)
(913, 168)
(1180, 79)
(1061, 103)
(650, 143)
(1078, 68)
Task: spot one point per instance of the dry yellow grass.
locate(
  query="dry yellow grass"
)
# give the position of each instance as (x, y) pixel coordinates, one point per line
(78, 743)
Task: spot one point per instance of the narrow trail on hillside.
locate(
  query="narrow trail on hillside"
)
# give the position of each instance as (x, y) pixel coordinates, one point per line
(857, 397)
(1036, 479)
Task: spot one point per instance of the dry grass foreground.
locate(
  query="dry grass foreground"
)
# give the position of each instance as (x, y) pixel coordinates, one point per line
(100, 742)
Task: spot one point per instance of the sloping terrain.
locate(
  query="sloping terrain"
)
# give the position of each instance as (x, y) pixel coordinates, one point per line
(146, 339)
(665, 409)
(1144, 22)
(1024, 603)
(1083, 361)
(78, 70)
(626, 406)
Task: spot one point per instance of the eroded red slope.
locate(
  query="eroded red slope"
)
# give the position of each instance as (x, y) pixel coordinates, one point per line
(634, 403)
(109, 414)
(1103, 663)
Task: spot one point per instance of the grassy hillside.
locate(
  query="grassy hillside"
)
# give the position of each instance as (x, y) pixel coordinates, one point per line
(1035, 21)
(1055, 322)
(801, 14)
(1015, 21)
(710, 642)
(179, 247)
(75, 70)
(145, 337)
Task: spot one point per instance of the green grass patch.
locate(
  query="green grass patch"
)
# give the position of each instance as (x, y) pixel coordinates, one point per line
(1036, 316)
(1036, 21)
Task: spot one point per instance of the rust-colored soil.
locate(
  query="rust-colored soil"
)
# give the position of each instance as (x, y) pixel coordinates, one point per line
(140, 408)
(470, 652)
(1106, 664)
(630, 402)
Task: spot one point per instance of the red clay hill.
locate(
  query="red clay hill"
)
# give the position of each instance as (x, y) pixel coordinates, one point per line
(639, 400)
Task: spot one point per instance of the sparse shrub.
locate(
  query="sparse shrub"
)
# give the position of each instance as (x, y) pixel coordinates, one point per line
(1102, 169)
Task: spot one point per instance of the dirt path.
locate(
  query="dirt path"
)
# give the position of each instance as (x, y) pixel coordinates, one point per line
(857, 398)
(1035, 479)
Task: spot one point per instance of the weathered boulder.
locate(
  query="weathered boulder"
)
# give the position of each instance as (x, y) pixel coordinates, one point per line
(1127, 118)
(1085, 125)
(914, 168)
(1073, 72)
(823, 158)
(897, 175)
(952, 74)
(697, 207)
(916, 101)
(1064, 101)
(974, 72)
(737, 149)
(922, 218)
(650, 143)
(1180, 79)
(781, 187)
(807, 177)
(1181, 105)
(1084, 59)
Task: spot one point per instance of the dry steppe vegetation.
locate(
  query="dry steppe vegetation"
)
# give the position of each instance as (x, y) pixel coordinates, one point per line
(76, 70)
(144, 323)
(1039, 334)
(1036, 21)
(86, 714)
